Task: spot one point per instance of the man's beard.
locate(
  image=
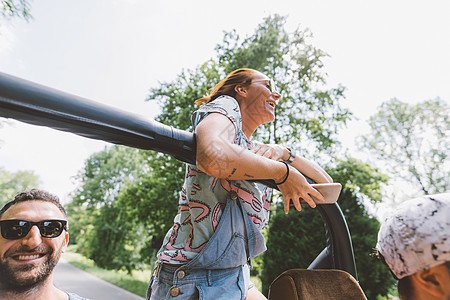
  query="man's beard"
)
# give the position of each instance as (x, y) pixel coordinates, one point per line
(29, 276)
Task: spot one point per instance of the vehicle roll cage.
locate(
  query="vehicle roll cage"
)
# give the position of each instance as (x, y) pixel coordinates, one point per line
(43, 106)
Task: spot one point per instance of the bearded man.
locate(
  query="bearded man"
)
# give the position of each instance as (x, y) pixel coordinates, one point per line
(34, 234)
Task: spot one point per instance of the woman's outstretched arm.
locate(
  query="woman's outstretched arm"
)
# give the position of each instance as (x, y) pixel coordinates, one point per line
(219, 157)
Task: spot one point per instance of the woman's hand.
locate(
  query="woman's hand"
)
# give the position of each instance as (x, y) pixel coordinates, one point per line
(297, 188)
(271, 151)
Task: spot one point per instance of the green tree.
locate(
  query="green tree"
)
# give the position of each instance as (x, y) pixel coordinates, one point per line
(13, 182)
(151, 202)
(97, 222)
(294, 240)
(308, 116)
(412, 142)
(15, 8)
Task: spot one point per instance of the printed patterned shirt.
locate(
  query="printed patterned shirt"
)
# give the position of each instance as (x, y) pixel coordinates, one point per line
(203, 197)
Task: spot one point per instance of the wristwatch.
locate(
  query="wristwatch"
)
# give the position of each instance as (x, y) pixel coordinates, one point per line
(291, 158)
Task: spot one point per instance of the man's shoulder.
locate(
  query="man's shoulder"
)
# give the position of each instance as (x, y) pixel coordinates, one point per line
(73, 296)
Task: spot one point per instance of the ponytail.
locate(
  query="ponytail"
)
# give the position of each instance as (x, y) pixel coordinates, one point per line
(242, 76)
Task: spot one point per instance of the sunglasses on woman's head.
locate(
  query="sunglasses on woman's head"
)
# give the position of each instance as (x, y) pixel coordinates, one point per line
(272, 87)
(17, 229)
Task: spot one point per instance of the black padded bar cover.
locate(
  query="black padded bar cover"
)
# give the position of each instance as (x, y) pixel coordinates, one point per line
(39, 105)
(338, 253)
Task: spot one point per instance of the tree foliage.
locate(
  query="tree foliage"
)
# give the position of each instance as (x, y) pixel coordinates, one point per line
(308, 115)
(294, 240)
(152, 201)
(13, 182)
(97, 221)
(413, 141)
(15, 8)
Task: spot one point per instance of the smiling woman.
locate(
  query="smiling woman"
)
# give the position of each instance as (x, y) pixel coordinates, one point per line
(221, 212)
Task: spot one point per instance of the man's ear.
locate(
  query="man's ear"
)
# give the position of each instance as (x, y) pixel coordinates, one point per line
(430, 281)
(240, 90)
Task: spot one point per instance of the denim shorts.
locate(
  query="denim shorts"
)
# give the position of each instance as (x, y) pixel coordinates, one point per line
(219, 284)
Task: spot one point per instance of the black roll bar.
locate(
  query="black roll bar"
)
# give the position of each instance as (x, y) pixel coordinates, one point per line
(43, 106)
(39, 105)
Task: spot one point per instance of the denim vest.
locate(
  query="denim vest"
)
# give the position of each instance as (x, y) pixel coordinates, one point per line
(217, 271)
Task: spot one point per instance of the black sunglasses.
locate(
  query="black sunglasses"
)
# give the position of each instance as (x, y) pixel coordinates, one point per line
(17, 229)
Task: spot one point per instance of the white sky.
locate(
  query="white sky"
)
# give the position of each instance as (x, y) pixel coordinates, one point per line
(114, 51)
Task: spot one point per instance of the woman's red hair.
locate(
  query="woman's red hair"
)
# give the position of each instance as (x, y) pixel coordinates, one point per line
(242, 76)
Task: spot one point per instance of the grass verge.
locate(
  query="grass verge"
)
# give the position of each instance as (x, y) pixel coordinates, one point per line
(136, 283)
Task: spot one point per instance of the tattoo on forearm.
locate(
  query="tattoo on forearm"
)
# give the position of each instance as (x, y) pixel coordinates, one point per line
(232, 172)
(248, 175)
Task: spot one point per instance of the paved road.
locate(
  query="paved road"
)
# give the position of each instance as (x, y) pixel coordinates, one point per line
(71, 279)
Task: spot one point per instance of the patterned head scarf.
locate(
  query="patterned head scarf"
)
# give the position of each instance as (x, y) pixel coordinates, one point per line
(416, 236)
